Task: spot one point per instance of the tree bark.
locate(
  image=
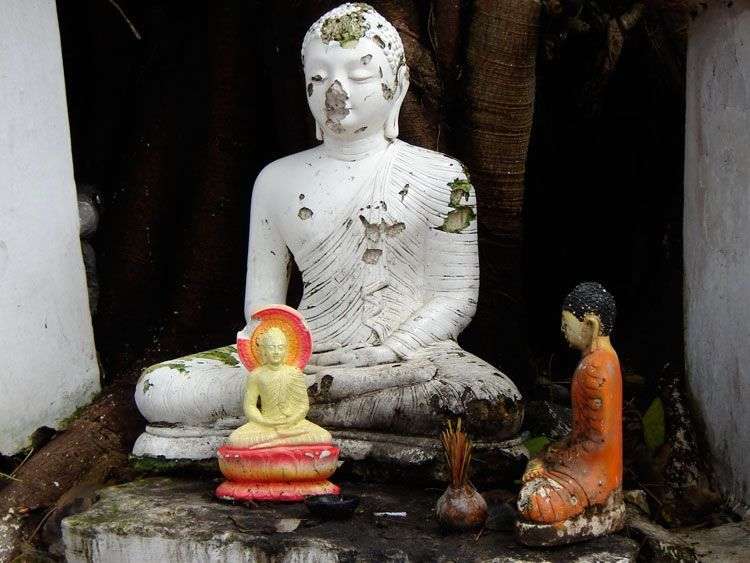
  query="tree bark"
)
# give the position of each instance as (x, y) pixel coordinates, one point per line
(493, 140)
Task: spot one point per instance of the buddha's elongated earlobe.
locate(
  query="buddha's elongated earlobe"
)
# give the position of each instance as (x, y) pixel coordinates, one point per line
(593, 323)
(391, 124)
(318, 131)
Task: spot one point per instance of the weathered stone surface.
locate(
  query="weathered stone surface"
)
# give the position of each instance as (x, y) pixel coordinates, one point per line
(659, 544)
(729, 543)
(177, 520)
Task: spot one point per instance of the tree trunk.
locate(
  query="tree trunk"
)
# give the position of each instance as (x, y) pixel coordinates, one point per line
(493, 140)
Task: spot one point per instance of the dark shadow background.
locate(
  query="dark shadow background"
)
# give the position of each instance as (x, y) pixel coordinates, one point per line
(172, 128)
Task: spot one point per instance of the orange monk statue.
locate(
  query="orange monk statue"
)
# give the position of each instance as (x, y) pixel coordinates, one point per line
(572, 489)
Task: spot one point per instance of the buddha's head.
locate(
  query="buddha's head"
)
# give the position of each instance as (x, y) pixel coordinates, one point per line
(356, 73)
(273, 347)
(588, 313)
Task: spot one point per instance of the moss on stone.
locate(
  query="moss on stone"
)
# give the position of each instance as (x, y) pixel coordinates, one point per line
(462, 215)
(458, 219)
(68, 420)
(461, 183)
(224, 355)
(160, 465)
(346, 29)
(147, 385)
(460, 189)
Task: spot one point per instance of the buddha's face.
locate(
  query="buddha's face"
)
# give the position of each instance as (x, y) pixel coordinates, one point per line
(273, 347)
(351, 91)
(579, 334)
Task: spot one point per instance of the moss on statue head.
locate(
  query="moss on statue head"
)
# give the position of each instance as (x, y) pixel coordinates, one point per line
(348, 28)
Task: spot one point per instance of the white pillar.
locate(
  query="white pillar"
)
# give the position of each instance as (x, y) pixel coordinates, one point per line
(48, 363)
(717, 236)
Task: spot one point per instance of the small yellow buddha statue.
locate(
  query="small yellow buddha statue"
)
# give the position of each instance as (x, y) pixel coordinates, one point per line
(277, 454)
(284, 403)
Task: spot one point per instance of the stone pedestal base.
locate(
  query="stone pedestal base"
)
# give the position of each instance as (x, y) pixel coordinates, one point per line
(158, 520)
(597, 520)
(282, 473)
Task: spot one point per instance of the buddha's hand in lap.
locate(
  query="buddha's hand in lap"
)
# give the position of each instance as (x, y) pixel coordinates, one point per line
(358, 357)
(270, 422)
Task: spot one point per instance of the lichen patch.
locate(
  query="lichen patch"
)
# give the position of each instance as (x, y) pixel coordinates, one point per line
(462, 214)
(460, 189)
(347, 29)
(458, 219)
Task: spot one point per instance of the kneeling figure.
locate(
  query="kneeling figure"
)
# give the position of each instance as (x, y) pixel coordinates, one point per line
(572, 490)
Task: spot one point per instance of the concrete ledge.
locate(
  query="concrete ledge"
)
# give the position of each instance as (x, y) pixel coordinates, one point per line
(162, 519)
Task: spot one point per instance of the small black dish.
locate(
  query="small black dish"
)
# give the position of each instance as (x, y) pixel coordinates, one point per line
(332, 507)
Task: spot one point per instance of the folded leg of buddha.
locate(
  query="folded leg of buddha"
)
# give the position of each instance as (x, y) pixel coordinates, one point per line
(393, 405)
(254, 435)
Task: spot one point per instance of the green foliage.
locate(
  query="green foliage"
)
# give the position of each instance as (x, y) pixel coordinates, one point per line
(535, 444)
(653, 425)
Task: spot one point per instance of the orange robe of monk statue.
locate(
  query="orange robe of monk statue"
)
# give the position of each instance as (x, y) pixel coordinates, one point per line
(572, 489)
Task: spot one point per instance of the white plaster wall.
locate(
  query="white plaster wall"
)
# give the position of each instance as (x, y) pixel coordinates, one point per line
(717, 235)
(48, 362)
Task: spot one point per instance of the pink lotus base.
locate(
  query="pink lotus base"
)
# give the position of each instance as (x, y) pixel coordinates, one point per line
(289, 491)
(282, 473)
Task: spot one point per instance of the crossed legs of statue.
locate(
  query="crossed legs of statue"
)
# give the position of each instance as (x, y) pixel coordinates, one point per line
(193, 403)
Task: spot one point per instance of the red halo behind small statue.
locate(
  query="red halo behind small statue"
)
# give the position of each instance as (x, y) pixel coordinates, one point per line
(291, 323)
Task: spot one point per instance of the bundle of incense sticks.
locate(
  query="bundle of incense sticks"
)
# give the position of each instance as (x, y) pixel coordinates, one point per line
(457, 448)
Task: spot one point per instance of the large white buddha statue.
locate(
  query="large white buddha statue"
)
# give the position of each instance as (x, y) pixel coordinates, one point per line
(385, 235)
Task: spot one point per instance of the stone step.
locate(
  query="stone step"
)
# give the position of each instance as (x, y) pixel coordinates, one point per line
(165, 519)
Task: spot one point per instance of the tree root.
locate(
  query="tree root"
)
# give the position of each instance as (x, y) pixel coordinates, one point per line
(91, 452)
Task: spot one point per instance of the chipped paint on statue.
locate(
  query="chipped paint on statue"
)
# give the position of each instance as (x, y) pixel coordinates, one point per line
(572, 489)
(386, 241)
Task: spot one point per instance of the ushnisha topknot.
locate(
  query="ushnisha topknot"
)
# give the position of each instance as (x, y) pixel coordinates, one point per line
(352, 21)
(592, 297)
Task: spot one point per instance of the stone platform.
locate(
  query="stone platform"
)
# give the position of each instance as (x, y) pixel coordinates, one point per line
(163, 519)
